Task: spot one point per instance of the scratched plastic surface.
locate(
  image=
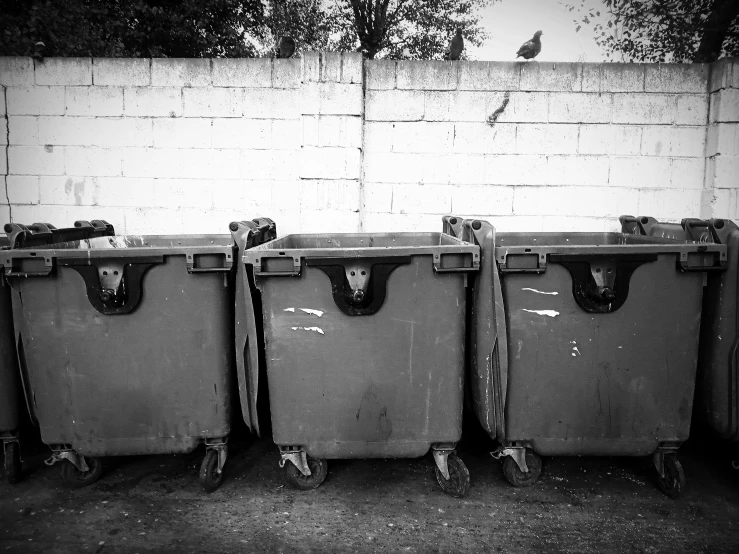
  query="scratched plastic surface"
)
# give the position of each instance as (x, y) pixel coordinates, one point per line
(155, 380)
(11, 399)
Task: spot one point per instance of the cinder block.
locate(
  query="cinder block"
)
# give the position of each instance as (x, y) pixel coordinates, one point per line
(64, 71)
(384, 167)
(35, 160)
(339, 195)
(246, 196)
(726, 170)
(640, 172)
(380, 74)
(722, 139)
(655, 109)
(180, 72)
(125, 191)
(286, 73)
(400, 223)
(551, 76)
(418, 137)
(413, 198)
(183, 193)
(395, 105)
(311, 67)
(92, 162)
(331, 67)
(286, 198)
(677, 77)
(242, 73)
(586, 171)
(153, 221)
(520, 169)
(69, 191)
(664, 140)
(670, 203)
(271, 104)
(275, 165)
(460, 105)
(118, 72)
(152, 101)
(224, 164)
(16, 71)
(613, 77)
(182, 133)
(627, 139)
(579, 108)
(546, 139)
(724, 74)
(378, 197)
(351, 67)
(22, 131)
(427, 75)
(724, 106)
(489, 75)
(656, 140)
(481, 138)
(340, 221)
(287, 135)
(88, 101)
(438, 169)
(693, 110)
(35, 100)
(331, 130)
(212, 102)
(331, 98)
(461, 169)
(559, 201)
(378, 136)
(483, 198)
(23, 189)
(723, 203)
(688, 173)
(329, 163)
(524, 107)
(95, 131)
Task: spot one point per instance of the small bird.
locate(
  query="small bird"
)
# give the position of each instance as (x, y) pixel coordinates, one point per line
(38, 51)
(531, 48)
(286, 47)
(457, 46)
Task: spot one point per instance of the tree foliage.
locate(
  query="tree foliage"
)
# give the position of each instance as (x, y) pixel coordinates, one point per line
(306, 21)
(134, 28)
(663, 30)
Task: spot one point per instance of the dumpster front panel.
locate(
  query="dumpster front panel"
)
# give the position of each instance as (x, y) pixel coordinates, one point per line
(11, 399)
(381, 385)
(155, 380)
(601, 383)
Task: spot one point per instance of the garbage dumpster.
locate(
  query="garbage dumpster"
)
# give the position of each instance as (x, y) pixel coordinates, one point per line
(717, 385)
(12, 402)
(126, 344)
(364, 338)
(585, 344)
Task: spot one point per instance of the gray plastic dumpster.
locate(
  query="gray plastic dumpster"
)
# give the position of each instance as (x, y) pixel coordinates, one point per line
(364, 338)
(585, 344)
(12, 403)
(126, 347)
(717, 385)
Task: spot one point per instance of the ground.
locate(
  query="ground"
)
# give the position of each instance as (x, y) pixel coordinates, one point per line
(155, 504)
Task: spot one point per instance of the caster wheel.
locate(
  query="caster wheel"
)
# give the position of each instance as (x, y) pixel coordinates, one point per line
(209, 477)
(13, 462)
(318, 471)
(459, 477)
(673, 483)
(78, 479)
(735, 464)
(518, 478)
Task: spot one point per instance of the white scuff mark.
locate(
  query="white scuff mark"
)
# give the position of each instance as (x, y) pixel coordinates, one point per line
(574, 354)
(289, 310)
(316, 329)
(520, 345)
(574, 349)
(319, 313)
(540, 292)
(550, 313)
(620, 346)
(719, 337)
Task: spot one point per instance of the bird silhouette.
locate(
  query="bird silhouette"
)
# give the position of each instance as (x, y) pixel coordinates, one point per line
(457, 46)
(531, 48)
(38, 51)
(286, 47)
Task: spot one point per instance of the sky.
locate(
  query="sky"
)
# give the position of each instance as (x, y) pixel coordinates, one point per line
(510, 23)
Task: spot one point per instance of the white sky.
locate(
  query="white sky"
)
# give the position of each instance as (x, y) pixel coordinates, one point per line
(510, 23)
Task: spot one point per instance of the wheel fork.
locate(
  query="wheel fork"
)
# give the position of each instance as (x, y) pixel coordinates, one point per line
(220, 446)
(441, 457)
(76, 459)
(518, 454)
(296, 457)
(659, 459)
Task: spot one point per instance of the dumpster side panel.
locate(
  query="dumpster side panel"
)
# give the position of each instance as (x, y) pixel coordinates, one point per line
(602, 383)
(156, 380)
(11, 399)
(718, 377)
(388, 384)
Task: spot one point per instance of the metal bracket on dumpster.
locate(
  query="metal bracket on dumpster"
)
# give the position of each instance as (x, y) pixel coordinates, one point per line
(298, 458)
(220, 446)
(441, 457)
(517, 453)
(659, 458)
(77, 460)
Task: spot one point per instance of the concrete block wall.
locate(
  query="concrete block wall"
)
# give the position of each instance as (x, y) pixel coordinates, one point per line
(173, 145)
(331, 143)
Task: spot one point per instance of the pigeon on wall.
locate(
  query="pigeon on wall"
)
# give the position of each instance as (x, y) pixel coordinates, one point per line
(531, 48)
(38, 51)
(286, 47)
(457, 46)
